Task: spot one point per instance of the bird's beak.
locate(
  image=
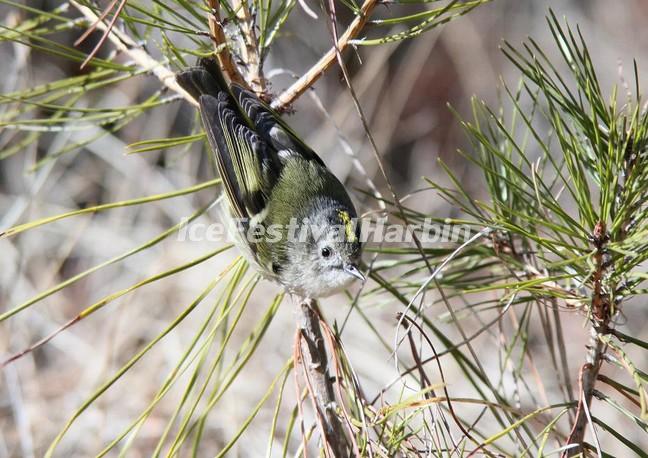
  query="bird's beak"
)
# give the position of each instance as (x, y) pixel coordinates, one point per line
(352, 269)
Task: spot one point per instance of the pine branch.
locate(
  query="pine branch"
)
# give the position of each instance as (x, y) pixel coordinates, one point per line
(126, 45)
(221, 46)
(311, 76)
(250, 48)
(314, 363)
(601, 318)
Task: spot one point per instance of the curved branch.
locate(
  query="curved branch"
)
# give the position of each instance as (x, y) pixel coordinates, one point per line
(308, 79)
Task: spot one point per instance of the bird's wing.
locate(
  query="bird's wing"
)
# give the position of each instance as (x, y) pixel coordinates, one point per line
(248, 166)
(269, 126)
(247, 163)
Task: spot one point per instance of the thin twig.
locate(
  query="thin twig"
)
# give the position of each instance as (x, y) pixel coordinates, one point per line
(126, 45)
(250, 49)
(335, 345)
(411, 323)
(314, 362)
(308, 79)
(106, 31)
(296, 361)
(601, 318)
(221, 45)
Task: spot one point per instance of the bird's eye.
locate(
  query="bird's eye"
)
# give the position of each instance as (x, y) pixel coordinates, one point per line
(326, 252)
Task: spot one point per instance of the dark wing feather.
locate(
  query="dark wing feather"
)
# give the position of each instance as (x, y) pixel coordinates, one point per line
(248, 167)
(247, 164)
(269, 125)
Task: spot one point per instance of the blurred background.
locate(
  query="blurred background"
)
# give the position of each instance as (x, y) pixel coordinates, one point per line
(404, 89)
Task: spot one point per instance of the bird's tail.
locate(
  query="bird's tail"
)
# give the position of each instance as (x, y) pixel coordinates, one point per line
(205, 78)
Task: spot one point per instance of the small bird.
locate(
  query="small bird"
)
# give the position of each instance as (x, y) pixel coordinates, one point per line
(306, 234)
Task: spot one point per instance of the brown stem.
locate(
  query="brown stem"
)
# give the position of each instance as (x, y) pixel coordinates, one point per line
(308, 79)
(314, 363)
(221, 45)
(600, 316)
(106, 31)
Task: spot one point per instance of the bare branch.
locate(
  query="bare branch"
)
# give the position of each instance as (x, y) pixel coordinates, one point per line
(314, 363)
(312, 75)
(126, 45)
(221, 45)
(601, 318)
